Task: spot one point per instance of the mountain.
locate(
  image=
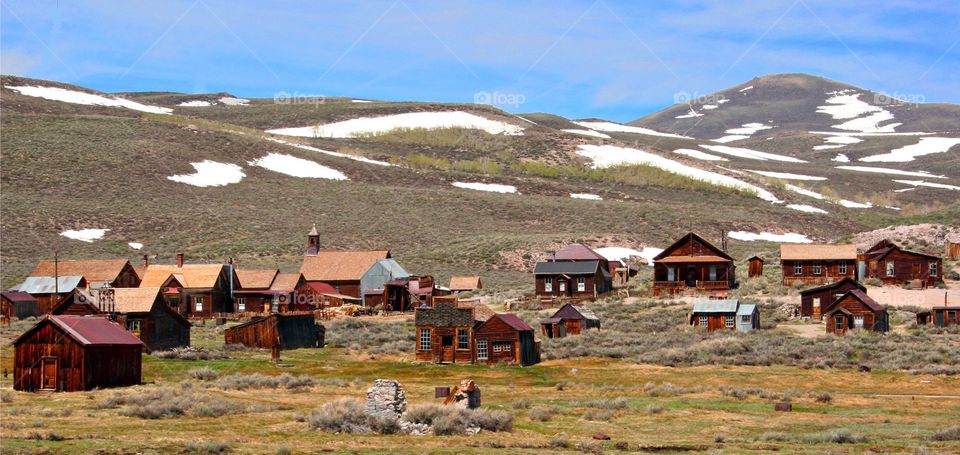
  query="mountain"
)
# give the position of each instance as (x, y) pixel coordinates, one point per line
(449, 188)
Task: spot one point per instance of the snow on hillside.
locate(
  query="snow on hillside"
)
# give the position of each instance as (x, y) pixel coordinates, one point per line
(195, 103)
(135, 245)
(854, 204)
(611, 155)
(820, 197)
(491, 187)
(841, 158)
(691, 114)
(916, 183)
(297, 167)
(790, 237)
(361, 101)
(410, 120)
(786, 176)
(835, 142)
(588, 196)
(926, 146)
(696, 154)
(860, 115)
(746, 88)
(231, 101)
(886, 170)
(211, 173)
(805, 192)
(328, 152)
(89, 99)
(611, 127)
(616, 253)
(591, 133)
(750, 154)
(84, 235)
(806, 208)
(744, 132)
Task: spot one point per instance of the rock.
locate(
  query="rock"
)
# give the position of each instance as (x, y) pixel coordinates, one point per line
(466, 395)
(386, 398)
(601, 437)
(783, 406)
(472, 431)
(863, 368)
(414, 429)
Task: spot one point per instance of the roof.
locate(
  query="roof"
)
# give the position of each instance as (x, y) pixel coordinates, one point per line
(716, 306)
(190, 275)
(464, 283)
(862, 297)
(746, 309)
(690, 238)
(285, 282)
(47, 284)
(513, 321)
(577, 252)
(17, 296)
(88, 331)
(885, 246)
(321, 287)
(393, 267)
(94, 270)
(570, 311)
(256, 278)
(130, 300)
(687, 259)
(574, 268)
(834, 285)
(444, 314)
(755, 257)
(481, 312)
(794, 251)
(340, 265)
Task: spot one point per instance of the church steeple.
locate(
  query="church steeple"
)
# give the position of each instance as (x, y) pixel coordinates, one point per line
(313, 241)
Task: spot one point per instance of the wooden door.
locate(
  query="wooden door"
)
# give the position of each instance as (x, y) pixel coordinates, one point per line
(48, 373)
(939, 318)
(446, 348)
(839, 324)
(691, 277)
(816, 308)
(573, 327)
(916, 270)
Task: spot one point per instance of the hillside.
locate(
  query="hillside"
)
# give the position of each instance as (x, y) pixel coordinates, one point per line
(76, 159)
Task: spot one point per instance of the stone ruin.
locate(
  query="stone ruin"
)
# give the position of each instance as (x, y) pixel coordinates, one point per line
(466, 395)
(386, 398)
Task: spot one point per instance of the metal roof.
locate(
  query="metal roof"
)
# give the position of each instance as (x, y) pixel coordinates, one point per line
(716, 306)
(88, 330)
(746, 309)
(574, 268)
(47, 284)
(513, 321)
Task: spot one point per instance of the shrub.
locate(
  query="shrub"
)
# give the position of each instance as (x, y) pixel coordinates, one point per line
(772, 436)
(823, 397)
(948, 434)
(349, 416)
(283, 450)
(261, 381)
(205, 448)
(521, 404)
(427, 413)
(167, 403)
(719, 438)
(598, 415)
(654, 409)
(838, 436)
(203, 374)
(191, 353)
(559, 441)
(447, 425)
(541, 414)
(6, 396)
(488, 419)
(603, 403)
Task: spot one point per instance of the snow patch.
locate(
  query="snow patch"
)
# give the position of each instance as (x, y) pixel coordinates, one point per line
(691, 114)
(231, 101)
(591, 133)
(886, 170)
(926, 146)
(327, 152)
(84, 235)
(730, 138)
(854, 204)
(492, 187)
(378, 125)
(806, 208)
(588, 196)
(841, 158)
(916, 183)
(790, 237)
(526, 120)
(749, 129)
(616, 253)
(611, 127)
(746, 88)
(786, 176)
(211, 173)
(297, 167)
(750, 154)
(135, 245)
(805, 192)
(699, 155)
(196, 103)
(863, 117)
(361, 101)
(89, 99)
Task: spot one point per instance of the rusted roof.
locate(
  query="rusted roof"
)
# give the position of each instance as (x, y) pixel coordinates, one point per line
(48, 285)
(256, 278)
(88, 331)
(94, 270)
(862, 297)
(686, 259)
(321, 287)
(801, 252)
(285, 282)
(513, 321)
(577, 252)
(834, 285)
(190, 275)
(465, 283)
(340, 265)
(135, 300)
(573, 312)
(481, 312)
(17, 296)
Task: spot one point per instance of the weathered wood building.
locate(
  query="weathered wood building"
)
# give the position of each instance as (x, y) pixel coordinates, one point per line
(940, 316)
(813, 265)
(570, 319)
(195, 290)
(269, 291)
(72, 353)
(814, 300)
(48, 291)
(288, 331)
(344, 270)
(894, 265)
(755, 267)
(465, 284)
(18, 305)
(505, 338)
(444, 333)
(728, 314)
(571, 279)
(115, 273)
(854, 310)
(374, 280)
(693, 264)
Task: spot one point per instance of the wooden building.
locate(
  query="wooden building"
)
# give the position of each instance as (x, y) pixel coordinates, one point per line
(755, 267)
(576, 252)
(465, 284)
(405, 294)
(444, 333)
(48, 291)
(940, 316)
(894, 265)
(813, 265)
(269, 291)
(571, 279)
(570, 319)
(142, 311)
(376, 277)
(288, 331)
(343, 270)
(854, 310)
(728, 314)
(695, 265)
(814, 300)
(72, 353)
(318, 295)
(18, 305)
(953, 250)
(505, 338)
(115, 273)
(196, 290)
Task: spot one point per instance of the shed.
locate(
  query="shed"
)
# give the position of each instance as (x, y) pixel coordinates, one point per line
(940, 316)
(570, 319)
(725, 314)
(755, 267)
(814, 300)
(465, 283)
(16, 304)
(72, 353)
(289, 331)
(854, 310)
(748, 318)
(506, 338)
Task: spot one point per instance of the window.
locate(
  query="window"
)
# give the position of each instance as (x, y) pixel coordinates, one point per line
(703, 320)
(951, 315)
(816, 267)
(858, 322)
(729, 321)
(713, 273)
(133, 326)
(463, 340)
(507, 346)
(816, 302)
(548, 285)
(798, 268)
(671, 274)
(496, 347)
(563, 286)
(581, 284)
(424, 339)
(843, 268)
(745, 319)
(241, 304)
(889, 269)
(839, 322)
(482, 350)
(198, 303)
(933, 269)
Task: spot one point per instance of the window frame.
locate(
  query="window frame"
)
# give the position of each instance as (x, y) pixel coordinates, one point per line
(483, 352)
(496, 346)
(507, 346)
(889, 268)
(562, 286)
(932, 269)
(198, 303)
(798, 268)
(704, 320)
(241, 304)
(425, 335)
(581, 284)
(463, 340)
(858, 321)
(729, 321)
(838, 322)
(842, 268)
(548, 284)
(133, 325)
(817, 268)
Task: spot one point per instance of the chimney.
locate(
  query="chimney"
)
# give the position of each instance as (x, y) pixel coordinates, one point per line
(230, 261)
(146, 262)
(180, 260)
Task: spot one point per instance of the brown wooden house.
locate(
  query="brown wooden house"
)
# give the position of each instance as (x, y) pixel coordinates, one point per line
(18, 305)
(505, 338)
(48, 291)
(726, 314)
(465, 283)
(854, 310)
(287, 331)
(115, 273)
(195, 290)
(693, 264)
(755, 267)
(814, 300)
(408, 293)
(571, 279)
(895, 265)
(940, 316)
(444, 333)
(142, 311)
(570, 319)
(343, 270)
(72, 353)
(269, 291)
(813, 265)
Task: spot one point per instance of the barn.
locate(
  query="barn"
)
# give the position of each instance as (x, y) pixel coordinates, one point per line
(289, 331)
(854, 310)
(892, 264)
(18, 305)
(811, 264)
(73, 353)
(505, 338)
(814, 300)
(570, 319)
(693, 264)
(727, 314)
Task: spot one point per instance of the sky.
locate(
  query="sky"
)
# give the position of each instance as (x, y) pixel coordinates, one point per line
(618, 60)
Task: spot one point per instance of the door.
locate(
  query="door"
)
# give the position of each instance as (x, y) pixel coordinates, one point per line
(48, 373)
(939, 318)
(691, 277)
(816, 308)
(916, 270)
(573, 327)
(839, 324)
(446, 348)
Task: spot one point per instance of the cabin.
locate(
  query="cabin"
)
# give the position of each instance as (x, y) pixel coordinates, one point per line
(854, 310)
(953, 250)
(894, 265)
(114, 273)
(376, 277)
(18, 305)
(576, 252)
(940, 316)
(727, 314)
(571, 280)
(755, 267)
(286, 331)
(405, 294)
(693, 265)
(196, 291)
(817, 264)
(74, 353)
(460, 284)
(142, 311)
(48, 291)
(444, 333)
(570, 319)
(505, 338)
(269, 291)
(814, 300)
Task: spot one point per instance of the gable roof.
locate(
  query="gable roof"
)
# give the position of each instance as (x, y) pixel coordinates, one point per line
(465, 283)
(49, 285)
(884, 247)
(570, 311)
(18, 296)
(88, 331)
(256, 278)
(573, 268)
(862, 297)
(803, 252)
(513, 321)
(577, 252)
(481, 312)
(834, 285)
(190, 275)
(340, 265)
(96, 271)
(286, 282)
(321, 288)
(133, 300)
(746, 309)
(717, 255)
(716, 306)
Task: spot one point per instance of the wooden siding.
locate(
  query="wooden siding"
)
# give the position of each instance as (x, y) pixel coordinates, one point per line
(523, 349)
(872, 320)
(594, 285)
(943, 317)
(826, 297)
(907, 266)
(829, 271)
(290, 331)
(754, 267)
(715, 321)
(443, 345)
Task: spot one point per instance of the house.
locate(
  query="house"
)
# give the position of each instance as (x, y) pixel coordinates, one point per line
(196, 290)
(576, 252)
(269, 291)
(48, 290)
(19, 305)
(376, 277)
(142, 311)
(575, 280)
(444, 333)
(894, 265)
(570, 319)
(405, 294)
(318, 295)
(755, 267)
(465, 284)
(505, 338)
(286, 331)
(73, 353)
(816, 264)
(343, 270)
(814, 300)
(855, 310)
(940, 316)
(693, 264)
(115, 273)
(728, 314)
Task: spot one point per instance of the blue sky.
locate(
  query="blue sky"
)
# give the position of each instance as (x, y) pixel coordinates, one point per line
(603, 58)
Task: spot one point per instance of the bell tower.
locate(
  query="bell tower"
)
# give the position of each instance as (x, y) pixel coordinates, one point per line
(313, 241)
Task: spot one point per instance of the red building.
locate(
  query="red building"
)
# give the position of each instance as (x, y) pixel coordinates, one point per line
(895, 265)
(854, 310)
(195, 290)
(693, 264)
